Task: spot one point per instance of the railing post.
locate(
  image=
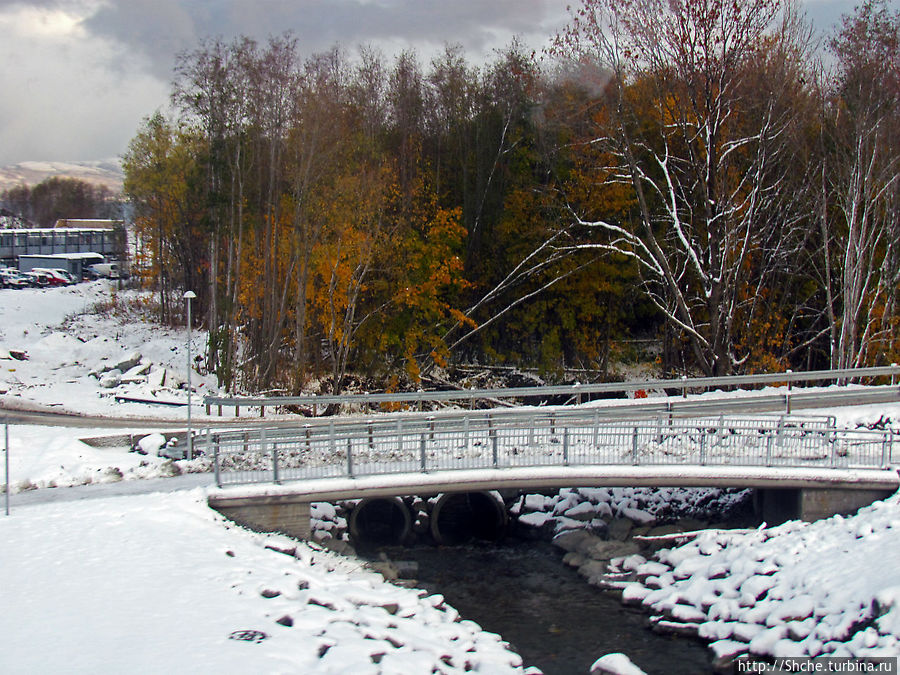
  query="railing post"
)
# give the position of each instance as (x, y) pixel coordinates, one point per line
(370, 433)
(596, 430)
(684, 386)
(893, 375)
(720, 435)
(552, 424)
(262, 442)
(216, 466)
(634, 446)
(703, 449)
(566, 446)
(787, 396)
(834, 445)
(492, 433)
(422, 453)
(350, 457)
(430, 428)
(659, 433)
(332, 445)
(531, 427)
(466, 432)
(306, 432)
(275, 477)
(769, 450)
(884, 449)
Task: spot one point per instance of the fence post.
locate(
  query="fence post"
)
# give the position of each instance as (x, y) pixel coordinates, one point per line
(634, 446)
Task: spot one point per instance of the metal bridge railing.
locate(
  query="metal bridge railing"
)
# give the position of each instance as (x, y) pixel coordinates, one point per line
(575, 393)
(531, 439)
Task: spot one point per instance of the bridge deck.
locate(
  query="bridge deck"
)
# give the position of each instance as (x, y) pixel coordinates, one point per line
(551, 477)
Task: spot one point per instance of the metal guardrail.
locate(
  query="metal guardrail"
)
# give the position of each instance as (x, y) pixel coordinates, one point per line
(576, 392)
(533, 439)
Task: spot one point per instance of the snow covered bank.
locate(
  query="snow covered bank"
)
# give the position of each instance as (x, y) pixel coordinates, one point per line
(831, 587)
(160, 583)
(83, 348)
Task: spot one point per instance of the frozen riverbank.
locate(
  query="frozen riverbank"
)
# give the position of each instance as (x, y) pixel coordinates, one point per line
(831, 587)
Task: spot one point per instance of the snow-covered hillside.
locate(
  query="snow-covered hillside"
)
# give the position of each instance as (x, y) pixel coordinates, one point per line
(104, 172)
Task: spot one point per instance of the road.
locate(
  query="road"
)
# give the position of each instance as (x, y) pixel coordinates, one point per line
(118, 489)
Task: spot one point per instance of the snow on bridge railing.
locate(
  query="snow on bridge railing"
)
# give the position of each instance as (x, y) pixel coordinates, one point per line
(575, 392)
(483, 441)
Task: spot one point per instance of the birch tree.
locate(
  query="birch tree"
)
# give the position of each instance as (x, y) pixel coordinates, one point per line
(860, 189)
(699, 148)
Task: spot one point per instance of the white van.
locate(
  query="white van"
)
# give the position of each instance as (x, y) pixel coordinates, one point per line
(105, 270)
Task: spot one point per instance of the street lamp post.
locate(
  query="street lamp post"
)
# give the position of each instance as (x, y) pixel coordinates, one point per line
(188, 296)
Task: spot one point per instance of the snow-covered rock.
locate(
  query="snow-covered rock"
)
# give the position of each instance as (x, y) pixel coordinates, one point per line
(615, 664)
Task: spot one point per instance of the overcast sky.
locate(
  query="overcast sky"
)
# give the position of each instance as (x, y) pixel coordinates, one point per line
(78, 76)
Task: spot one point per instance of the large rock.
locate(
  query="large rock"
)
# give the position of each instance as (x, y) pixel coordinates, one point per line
(127, 363)
(573, 540)
(620, 529)
(111, 379)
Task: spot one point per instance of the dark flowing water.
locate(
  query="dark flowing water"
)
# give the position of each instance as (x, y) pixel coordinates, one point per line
(546, 610)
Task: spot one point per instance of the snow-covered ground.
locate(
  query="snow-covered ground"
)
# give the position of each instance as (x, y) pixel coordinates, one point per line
(161, 583)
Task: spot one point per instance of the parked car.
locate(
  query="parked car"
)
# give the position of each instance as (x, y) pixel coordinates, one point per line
(37, 279)
(10, 278)
(53, 277)
(70, 278)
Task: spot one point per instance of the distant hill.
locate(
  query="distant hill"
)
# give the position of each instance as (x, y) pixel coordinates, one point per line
(103, 172)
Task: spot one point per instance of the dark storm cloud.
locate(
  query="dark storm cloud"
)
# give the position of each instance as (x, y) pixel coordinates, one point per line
(161, 28)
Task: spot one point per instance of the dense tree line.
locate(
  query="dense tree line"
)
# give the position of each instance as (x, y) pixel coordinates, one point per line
(688, 171)
(56, 197)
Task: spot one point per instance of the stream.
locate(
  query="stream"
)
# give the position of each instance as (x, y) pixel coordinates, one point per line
(549, 614)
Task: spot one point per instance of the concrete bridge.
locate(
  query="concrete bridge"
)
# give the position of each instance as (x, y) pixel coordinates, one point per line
(800, 466)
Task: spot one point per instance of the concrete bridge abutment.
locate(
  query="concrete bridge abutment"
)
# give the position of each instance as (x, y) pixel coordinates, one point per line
(777, 505)
(272, 514)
